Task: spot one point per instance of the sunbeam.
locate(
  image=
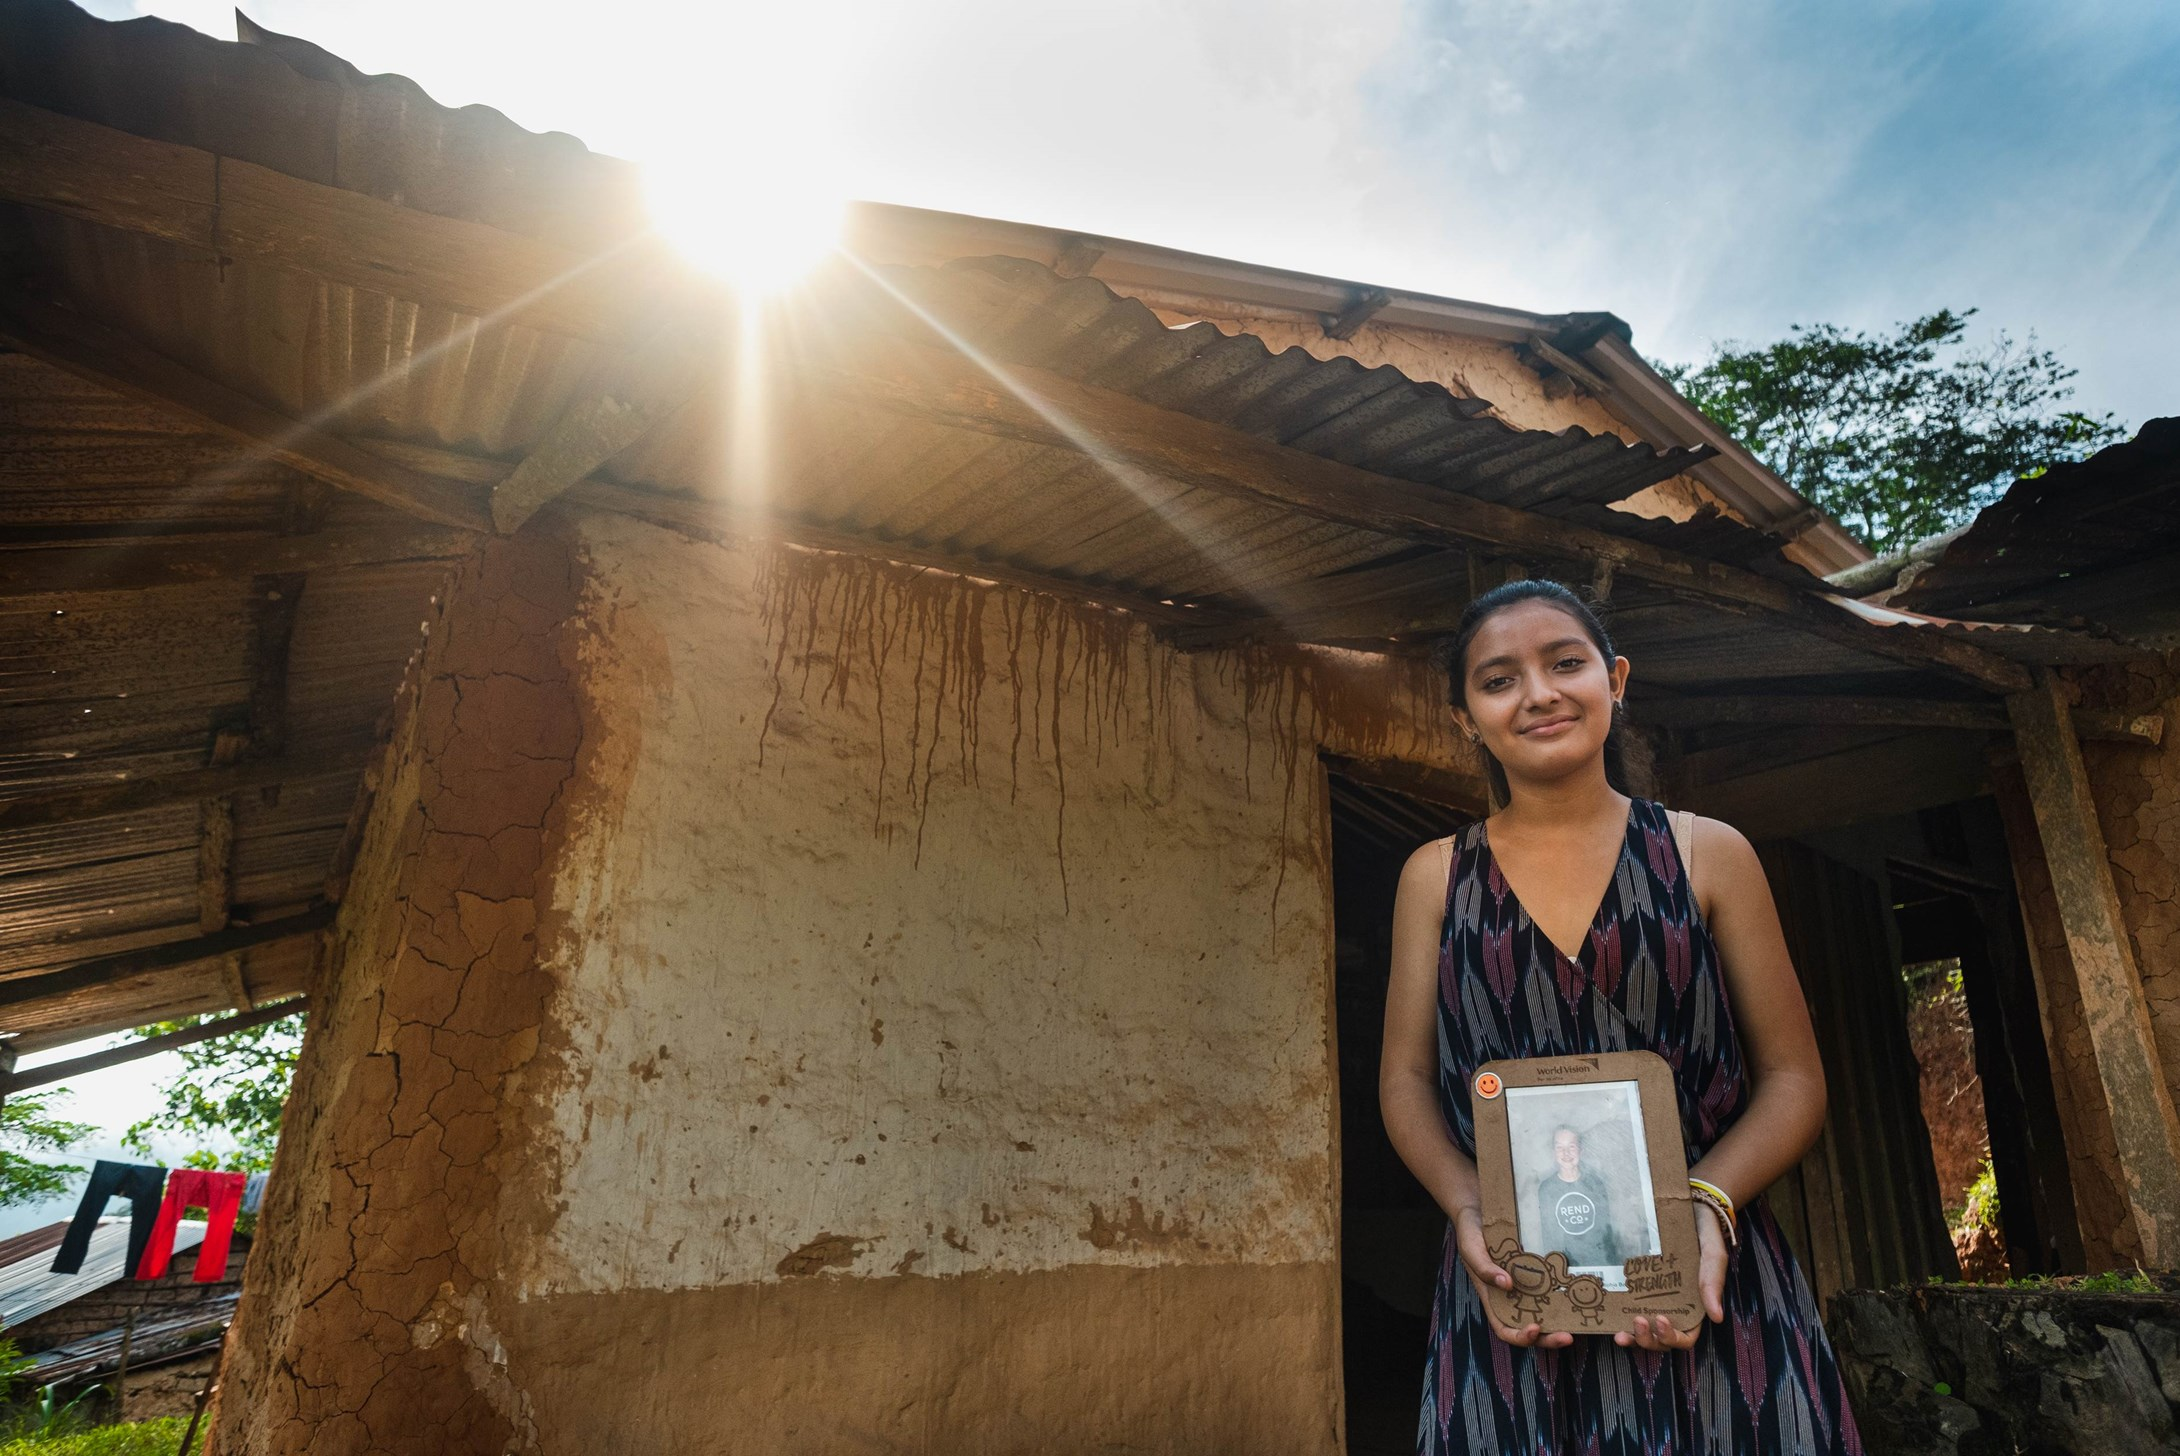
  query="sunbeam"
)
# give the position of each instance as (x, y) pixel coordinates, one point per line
(1158, 496)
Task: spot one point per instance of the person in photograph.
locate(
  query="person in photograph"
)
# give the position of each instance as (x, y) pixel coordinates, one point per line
(1578, 919)
(1574, 1207)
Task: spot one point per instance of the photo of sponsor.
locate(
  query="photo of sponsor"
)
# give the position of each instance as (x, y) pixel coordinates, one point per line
(1582, 1176)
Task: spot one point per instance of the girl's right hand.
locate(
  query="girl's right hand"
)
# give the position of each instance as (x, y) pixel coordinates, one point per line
(1468, 1241)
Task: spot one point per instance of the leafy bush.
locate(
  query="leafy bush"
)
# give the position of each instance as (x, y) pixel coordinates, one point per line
(1982, 1206)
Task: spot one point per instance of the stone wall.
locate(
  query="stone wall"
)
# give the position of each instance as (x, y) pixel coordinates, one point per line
(789, 1001)
(1962, 1371)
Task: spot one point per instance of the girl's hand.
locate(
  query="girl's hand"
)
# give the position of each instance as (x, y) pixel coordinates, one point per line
(1656, 1332)
(1468, 1241)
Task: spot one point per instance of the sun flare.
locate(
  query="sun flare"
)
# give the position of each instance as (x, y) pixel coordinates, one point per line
(760, 223)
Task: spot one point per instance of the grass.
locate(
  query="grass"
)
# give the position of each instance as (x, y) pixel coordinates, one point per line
(137, 1438)
(2109, 1281)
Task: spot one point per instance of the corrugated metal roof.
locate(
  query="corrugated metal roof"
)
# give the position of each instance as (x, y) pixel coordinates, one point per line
(29, 1287)
(2092, 543)
(98, 684)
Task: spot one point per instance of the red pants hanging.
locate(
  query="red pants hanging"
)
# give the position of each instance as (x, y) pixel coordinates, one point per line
(220, 1196)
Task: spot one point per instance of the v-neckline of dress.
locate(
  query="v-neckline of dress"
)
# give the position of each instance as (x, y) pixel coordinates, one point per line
(1604, 896)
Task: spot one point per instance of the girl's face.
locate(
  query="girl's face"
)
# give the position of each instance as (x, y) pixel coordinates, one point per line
(1539, 692)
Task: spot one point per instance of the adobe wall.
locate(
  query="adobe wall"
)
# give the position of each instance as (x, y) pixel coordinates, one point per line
(2137, 793)
(793, 1002)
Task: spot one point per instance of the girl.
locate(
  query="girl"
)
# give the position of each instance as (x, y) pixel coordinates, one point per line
(1571, 921)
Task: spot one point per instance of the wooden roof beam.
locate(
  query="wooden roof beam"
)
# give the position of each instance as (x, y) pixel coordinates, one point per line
(634, 396)
(149, 1046)
(169, 561)
(1814, 710)
(945, 388)
(714, 519)
(109, 357)
(104, 971)
(160, 791)
(222, 207)
(2145, 1125)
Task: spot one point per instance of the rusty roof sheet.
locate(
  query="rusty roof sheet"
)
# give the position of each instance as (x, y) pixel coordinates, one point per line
(2091, 543)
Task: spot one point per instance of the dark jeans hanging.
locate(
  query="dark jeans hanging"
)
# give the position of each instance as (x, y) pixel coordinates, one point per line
(139, 1184)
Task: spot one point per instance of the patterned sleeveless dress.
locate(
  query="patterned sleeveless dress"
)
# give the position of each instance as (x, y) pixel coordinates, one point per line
(1647, 979)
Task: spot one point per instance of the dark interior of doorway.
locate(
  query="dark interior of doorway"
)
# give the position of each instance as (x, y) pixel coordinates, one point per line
(1954, 901)
(1391, 1233)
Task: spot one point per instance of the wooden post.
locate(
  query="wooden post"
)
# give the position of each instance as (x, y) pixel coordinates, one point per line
(121, 1372)
(2136, 1094)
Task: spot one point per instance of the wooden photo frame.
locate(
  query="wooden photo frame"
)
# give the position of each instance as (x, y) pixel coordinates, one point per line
(1585, 1192)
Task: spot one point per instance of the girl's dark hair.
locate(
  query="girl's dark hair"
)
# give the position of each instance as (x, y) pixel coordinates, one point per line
(1453, 656)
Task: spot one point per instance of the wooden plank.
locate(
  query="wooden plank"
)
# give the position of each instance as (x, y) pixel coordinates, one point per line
(111, 358)
(713, 520)
(215, 864)
(187, 561)
(632, 398)
(274, 601)
(1046, 408)
(18, 990)
(1424, 595)
(149, 1046)
(131, 796)
(112, 178)
(1918, 770)
(97, 174)
(2137, 1096)
(1828, 1250)
(1698, 712)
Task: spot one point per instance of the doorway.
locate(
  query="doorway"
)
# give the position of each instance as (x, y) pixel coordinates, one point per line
(1391, 1232)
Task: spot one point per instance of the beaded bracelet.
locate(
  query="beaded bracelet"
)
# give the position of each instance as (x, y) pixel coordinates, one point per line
(1711, 1196)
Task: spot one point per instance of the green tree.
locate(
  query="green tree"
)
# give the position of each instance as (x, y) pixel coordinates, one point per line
(1897, 436)
(28, 1124)
(234, 1086)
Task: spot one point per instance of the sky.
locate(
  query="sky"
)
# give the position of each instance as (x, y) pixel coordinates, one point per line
(1709, 170)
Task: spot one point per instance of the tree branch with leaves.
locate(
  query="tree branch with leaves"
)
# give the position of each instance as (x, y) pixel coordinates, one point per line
(234, 1087)
(1896, 436)
(29, 1127)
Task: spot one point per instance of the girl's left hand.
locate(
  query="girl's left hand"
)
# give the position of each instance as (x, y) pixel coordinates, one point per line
(1657, 1332)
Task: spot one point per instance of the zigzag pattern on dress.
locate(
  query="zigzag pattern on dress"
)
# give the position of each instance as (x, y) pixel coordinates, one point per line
(1647, 978)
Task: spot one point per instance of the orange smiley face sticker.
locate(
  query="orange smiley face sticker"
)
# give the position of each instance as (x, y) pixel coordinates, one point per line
(1487, 1085)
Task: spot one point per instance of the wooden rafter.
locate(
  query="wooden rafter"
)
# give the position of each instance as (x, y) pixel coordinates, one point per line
(79, 804)
(109, 357)
(633, 396)
(1812, 709)
(149, 1046)
(223, 207)
(1037, 405)
(713, 519)
(19, 990)
(133, 565)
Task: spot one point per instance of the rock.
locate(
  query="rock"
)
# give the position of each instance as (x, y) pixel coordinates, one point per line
(1945, 1370)
(2161, 1344)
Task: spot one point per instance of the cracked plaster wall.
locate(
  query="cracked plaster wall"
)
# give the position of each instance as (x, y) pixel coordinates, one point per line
(786, 997)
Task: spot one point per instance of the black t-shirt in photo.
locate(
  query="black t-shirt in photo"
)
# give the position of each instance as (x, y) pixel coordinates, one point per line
(1577, 1219)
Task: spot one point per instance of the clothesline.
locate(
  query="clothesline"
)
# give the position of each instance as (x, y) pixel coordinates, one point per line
(157, 1197)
